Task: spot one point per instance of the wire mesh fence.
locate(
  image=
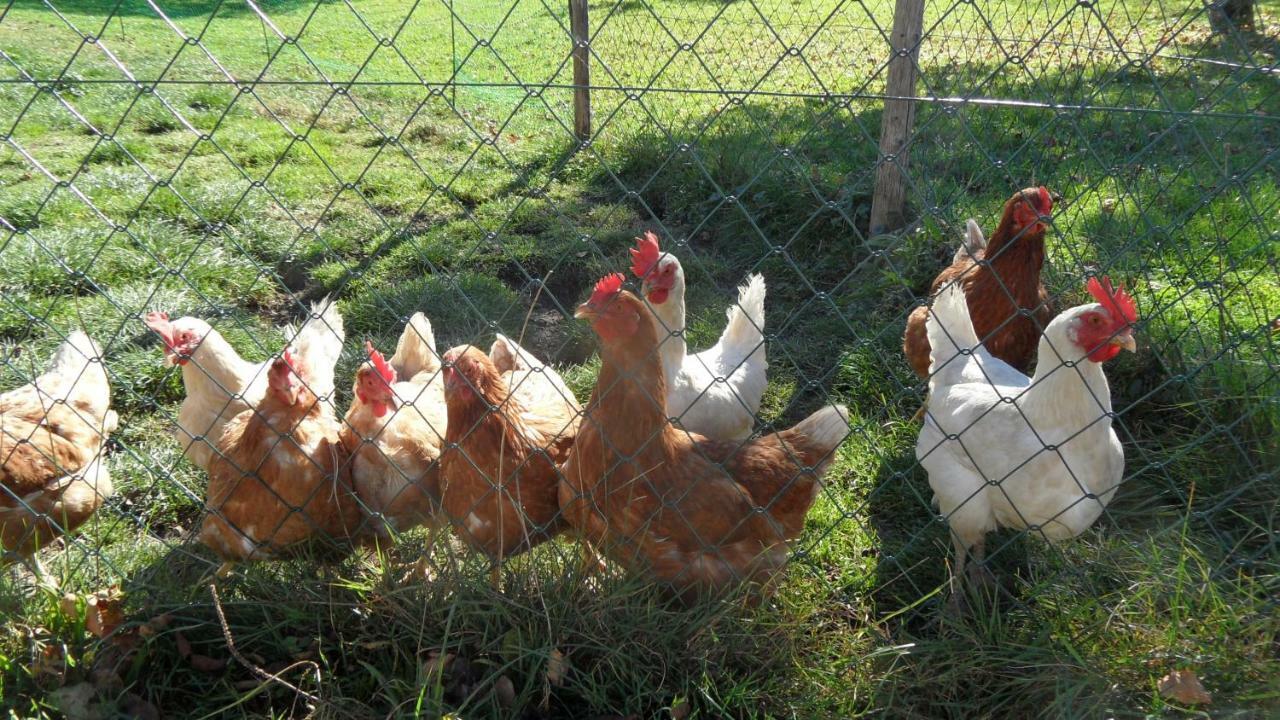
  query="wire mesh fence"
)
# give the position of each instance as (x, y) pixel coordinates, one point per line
(198, 186)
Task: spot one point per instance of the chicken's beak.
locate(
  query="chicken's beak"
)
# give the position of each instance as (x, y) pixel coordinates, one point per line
(584, 312)
(1126, 341)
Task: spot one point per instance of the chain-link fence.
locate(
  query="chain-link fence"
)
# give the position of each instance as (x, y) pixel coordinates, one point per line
(316, 173)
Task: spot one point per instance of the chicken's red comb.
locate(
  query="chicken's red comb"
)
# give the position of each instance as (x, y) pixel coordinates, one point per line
(380, 363)
(606, 288)
(1044, 201)
(287, 356)
(645, 254)
(1114, 300)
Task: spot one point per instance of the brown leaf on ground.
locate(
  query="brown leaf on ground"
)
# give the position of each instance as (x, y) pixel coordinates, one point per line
(1183, 687)
(556, 667)
(206, 664)
(184, 645)
(198, 662)
(104, 612)
(136, 708)
(506, 691)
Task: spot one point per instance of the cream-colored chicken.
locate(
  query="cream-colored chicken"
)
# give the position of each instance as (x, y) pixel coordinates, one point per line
(394, 432)
(53, 431)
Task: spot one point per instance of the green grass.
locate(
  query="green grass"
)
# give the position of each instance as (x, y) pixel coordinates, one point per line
(479, 198)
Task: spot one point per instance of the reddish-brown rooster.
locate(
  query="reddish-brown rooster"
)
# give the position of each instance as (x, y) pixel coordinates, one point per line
(280, 477)
(697, 514)
(999, 280)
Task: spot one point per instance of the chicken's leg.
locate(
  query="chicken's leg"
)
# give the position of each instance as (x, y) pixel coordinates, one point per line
(979, 575)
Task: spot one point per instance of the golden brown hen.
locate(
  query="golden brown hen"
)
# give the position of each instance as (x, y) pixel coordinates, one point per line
(280, 478)
(698, 515)
(53, 476)
(509, 426)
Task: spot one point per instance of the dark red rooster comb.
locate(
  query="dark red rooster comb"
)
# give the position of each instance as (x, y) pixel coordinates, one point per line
(1043, 201)
(645, 254)
(385, 371)
(1116, 300)
(606, 288)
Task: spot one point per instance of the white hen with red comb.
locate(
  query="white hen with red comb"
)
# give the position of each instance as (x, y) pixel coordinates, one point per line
(1004, 450)
(220, 384)
(716, 392)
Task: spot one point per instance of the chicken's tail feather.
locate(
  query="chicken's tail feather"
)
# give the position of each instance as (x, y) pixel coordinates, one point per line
(76, 368)
(743, 336)
(416, 349)
(508, 356)
(950, 331)
(974, 242)
(319, 342)
(823, 431)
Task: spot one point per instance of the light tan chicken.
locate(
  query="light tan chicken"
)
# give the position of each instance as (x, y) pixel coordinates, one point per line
(53, 474)
(394, 431)
(512, 419)
(280, 480)
(697, 515)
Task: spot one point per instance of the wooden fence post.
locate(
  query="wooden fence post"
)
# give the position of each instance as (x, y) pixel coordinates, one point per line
(889, 197)
(581, 30)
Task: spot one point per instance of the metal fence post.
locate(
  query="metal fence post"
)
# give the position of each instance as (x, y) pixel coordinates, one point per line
(889, 195)
(581, 69)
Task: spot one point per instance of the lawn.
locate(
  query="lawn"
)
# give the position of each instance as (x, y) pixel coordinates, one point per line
(236, 165)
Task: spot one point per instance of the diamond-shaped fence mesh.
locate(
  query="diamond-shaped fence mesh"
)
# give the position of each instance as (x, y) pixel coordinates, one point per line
(500, 532)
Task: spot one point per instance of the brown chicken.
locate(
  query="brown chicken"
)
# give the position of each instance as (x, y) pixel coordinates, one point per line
(53, 476)
(999, 280)
(511, 421)
(280, 480)
(698, 515)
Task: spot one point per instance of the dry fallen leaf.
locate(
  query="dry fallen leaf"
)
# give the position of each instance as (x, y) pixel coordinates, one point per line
(680, 710)
(506, 691)
(1108, 205)
(136, 708)
(104, 612)
(155, 625)
(69, 606)
(198, 662)
(184, 645)
(437, 664)
(1182, 686)
(206, 664)
(556, 666)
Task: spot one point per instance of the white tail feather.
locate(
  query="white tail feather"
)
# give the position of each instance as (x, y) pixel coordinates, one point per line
(827, 427)
(743, 336)
(319, 342)
(507, 356)
(950, 330)
(416, 350)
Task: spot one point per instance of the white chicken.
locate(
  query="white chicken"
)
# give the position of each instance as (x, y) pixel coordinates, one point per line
(717, 392)
(1004, 450)
(53, 431)
(220, 384)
